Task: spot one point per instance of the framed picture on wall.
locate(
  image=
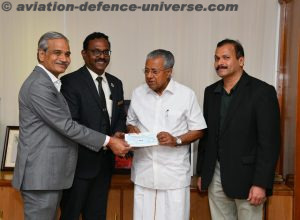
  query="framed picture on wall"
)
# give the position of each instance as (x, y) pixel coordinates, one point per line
(10, 148)
(123, 164)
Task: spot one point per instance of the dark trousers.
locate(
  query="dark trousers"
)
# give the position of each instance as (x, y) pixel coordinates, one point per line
(87, 196)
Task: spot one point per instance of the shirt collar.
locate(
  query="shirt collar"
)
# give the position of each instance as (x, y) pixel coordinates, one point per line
(95, 75)
(56, 81)
(220, 86)
(170, 87)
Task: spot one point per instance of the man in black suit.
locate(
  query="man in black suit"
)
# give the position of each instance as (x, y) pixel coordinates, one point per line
(237, 156)
(97, 103)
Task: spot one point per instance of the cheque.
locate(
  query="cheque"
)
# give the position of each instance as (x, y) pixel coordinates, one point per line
(141, 139)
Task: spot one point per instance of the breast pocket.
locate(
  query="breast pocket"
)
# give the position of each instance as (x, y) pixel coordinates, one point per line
(175, 119)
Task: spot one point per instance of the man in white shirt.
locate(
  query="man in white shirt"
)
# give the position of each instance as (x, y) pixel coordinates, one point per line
(161, 173)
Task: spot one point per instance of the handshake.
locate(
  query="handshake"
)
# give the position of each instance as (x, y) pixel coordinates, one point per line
(118, 145)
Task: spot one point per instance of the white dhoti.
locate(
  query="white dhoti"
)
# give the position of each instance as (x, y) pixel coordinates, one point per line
(152, 204)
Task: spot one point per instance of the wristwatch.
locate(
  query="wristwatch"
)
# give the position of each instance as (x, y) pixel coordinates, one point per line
(178, 141)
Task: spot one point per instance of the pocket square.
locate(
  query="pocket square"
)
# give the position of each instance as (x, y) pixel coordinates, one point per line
(120, 102)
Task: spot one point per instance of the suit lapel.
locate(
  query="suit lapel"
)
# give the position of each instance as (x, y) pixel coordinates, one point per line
(240, 92)
(46, 77)
(60, 97)
(215, 110)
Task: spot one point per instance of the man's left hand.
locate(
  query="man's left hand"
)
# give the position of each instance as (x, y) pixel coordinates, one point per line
(165, 138)
(257, 195)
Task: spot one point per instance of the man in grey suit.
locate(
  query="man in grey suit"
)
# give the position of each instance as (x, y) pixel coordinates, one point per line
(47, 150)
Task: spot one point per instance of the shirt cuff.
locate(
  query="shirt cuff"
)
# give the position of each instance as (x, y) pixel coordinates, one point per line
(107, 139)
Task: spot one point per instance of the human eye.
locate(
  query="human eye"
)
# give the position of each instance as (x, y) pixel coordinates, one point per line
(106, 52)
(146, 71)
(155, 71)
(57, 52)
(68, 54)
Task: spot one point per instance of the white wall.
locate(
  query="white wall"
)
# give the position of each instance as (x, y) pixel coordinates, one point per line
(191, 36)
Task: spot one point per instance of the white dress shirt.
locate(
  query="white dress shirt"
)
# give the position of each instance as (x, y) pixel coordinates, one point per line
(107, 94)
(176, 111)
(106, 90)
(56, 81)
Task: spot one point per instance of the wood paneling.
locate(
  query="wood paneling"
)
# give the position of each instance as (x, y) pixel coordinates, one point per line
(114, 204)
(127, 205)
(280, 205)
(120, 204)
(11, 203)
(199, 206)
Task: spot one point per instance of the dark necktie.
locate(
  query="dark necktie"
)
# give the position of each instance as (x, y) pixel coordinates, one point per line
(103, 102)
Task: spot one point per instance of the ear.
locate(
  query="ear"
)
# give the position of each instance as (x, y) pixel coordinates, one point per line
(242, 61)
(41, 55)
(83, 54)
(169, 73)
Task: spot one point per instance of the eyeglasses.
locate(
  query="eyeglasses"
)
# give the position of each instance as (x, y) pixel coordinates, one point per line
(97, 52)
(153, 71)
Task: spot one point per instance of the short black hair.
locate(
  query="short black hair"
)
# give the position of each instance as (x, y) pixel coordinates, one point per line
(239, 50)
(92, 36)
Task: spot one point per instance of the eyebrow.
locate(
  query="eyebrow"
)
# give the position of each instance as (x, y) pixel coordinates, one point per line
(61, 51)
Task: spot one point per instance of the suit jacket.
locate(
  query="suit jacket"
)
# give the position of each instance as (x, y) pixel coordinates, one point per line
(247, 144)
(47, 152)
(83, 99)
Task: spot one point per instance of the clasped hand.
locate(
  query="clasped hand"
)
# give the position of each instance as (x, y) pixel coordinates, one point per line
(118, 145)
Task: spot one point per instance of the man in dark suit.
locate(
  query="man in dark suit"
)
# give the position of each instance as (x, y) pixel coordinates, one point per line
(97, 104)
(47, 149)
(237, 156)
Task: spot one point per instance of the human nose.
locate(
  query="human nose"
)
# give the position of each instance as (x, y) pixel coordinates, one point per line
(149, 74)
(65, 58)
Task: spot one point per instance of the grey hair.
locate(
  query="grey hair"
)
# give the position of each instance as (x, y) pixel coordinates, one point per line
(165, 54)
(43, 42)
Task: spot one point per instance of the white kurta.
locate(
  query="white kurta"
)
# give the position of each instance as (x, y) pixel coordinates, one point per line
(176, 111)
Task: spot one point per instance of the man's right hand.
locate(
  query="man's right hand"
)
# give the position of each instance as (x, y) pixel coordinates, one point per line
(118, 146)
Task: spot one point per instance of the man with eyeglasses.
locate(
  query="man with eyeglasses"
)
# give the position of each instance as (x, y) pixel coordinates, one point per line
(95, 99)
(170, 110)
